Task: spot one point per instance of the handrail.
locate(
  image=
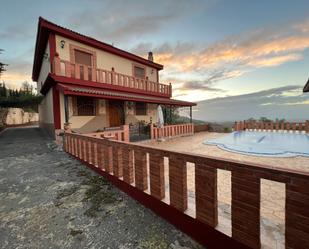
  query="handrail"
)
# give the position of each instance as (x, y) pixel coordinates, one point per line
(128, 162)
(84, 72)
(272, 126)
(168, 131)
(119, 134)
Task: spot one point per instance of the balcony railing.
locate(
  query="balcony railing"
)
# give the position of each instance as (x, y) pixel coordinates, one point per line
(169, 131)
(84, 72)
(142, 171)
(272, 126)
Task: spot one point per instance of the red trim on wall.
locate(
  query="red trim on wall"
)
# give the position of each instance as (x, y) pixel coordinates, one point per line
(204, 234)
(56, 108)
(167, 102)
(52, 49)
(66, 80)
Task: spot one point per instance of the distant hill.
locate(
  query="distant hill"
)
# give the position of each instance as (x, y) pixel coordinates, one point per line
(288, 102)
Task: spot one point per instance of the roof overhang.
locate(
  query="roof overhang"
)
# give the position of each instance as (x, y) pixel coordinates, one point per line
(46, 27)
(109, 94)
(306, 87)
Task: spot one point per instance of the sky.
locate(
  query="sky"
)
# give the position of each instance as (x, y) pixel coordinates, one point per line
(210, 49)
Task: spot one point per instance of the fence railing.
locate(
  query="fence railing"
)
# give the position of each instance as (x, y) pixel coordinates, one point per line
(84, 72)
(272, 126)
(168, 131)
(114, 134)
(137, 165)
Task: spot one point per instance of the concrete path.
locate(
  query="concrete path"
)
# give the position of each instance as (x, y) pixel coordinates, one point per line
(49, 200)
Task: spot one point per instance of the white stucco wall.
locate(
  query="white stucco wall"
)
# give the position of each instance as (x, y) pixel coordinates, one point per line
(46, 110)
(45, 69)
(105, 60)
(133, 119)
(86, 123)
(101, 120)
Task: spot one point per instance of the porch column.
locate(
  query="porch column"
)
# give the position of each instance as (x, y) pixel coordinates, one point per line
(170, 115)
(66, 108)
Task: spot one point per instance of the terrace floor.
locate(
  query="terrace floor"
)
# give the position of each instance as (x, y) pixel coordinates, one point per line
(49, 200)
(272, 193)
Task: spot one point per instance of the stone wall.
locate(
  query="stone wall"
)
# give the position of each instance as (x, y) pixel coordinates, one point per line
(17, 116)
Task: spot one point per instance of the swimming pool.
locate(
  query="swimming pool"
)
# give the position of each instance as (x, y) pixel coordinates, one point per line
(264, 143)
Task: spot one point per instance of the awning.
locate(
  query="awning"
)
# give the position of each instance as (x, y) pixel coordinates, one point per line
(108, 94)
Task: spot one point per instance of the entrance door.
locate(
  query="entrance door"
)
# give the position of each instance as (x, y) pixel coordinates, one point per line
(116, 113)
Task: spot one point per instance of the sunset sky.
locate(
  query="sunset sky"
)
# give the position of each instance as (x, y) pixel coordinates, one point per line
(209, 49)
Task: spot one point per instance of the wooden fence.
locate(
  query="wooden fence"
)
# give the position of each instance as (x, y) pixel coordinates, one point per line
(126, 164)
(114, 134)
(168, 131)
(201, 127)
(272, 126)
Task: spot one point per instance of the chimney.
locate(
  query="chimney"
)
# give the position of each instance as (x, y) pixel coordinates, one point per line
(150, 56)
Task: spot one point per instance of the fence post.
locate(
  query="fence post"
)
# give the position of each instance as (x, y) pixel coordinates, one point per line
(113, 76)
(151, 131)
(126, 133)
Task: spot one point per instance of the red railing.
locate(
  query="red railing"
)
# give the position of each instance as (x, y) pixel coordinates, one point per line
(83, 72)
(272, 126)
(169, 131)
(143, 169)
(114, 134)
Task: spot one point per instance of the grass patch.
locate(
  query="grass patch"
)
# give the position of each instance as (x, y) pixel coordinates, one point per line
(74, 232)
(154, 240)
(98, 194)
(64, 193)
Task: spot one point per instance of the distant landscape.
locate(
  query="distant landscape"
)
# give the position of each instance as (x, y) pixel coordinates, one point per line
(287, 103)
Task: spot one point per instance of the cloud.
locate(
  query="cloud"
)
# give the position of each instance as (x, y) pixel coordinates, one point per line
(137, 19)
(231, 57)
(272, 103)
(208, 82)
(16, 32)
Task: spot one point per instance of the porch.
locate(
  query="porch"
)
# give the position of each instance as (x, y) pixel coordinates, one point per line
(120, 115)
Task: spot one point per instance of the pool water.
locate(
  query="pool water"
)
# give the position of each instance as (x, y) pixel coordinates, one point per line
(264, 143)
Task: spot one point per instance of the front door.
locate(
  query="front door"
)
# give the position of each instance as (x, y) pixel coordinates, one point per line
(116, 113)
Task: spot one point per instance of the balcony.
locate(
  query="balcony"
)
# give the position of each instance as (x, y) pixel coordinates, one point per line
(110, 79)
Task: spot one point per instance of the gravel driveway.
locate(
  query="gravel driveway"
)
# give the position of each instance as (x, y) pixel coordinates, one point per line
(49, 200)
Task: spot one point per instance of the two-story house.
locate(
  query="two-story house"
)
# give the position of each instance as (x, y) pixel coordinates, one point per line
(93, 85)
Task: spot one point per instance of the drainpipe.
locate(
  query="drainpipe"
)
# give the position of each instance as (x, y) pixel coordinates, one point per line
(66, 108)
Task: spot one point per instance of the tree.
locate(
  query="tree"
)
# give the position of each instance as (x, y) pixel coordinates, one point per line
(3, 90)
(2, 65)
(26, 88)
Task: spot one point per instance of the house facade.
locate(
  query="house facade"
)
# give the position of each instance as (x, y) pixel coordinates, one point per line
(92, 85)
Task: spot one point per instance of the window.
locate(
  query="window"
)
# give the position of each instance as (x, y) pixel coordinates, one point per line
(140, 108)
(85, 106)
(139, 72)
(83, 58)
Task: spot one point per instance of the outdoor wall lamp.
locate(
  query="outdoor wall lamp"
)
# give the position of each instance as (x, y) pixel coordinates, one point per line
(62, 43)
